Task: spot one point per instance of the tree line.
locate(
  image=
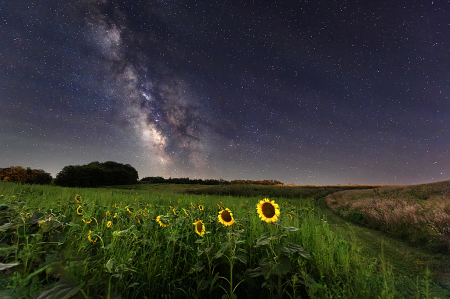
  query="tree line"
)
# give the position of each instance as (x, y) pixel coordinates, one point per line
(27, 175)
(97, 174)
(108, 173)
(161, 180)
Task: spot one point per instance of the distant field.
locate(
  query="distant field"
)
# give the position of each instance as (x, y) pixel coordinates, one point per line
(167, 241)
(314, 192)
(418, 213)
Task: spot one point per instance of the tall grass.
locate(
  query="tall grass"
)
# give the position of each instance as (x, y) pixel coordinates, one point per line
(418, 213)
(106, 243)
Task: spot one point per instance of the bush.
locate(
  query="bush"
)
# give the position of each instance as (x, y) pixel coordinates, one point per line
(18, 174)
(355, 217)
(97, 174)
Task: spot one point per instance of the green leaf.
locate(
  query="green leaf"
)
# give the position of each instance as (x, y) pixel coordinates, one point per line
(49, 294)
(197, 267)
(241, 256)
(110, 265)
(73, 291)
(293, 248)
(4, 251)
(283, 266)
(290, 228)
(133, 285)
(208, 249)
(265, 266)
(203, 284)
(7, 266)
(263, 240)
(8, 226)
(56, 269)
(40, 270)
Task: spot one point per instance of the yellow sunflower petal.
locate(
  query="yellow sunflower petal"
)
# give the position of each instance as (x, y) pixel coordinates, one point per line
(226, 217)
(161, 223)
(268, 210)
(200, 228)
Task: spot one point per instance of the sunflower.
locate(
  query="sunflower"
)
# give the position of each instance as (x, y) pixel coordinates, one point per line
(226, 217)
(78, 211)
(77, 198)
(90, 220)
(200, 207)
(109, 224)
(89, 237)
(139, 220)
(160, 221)
(268, 210)
(200, 228)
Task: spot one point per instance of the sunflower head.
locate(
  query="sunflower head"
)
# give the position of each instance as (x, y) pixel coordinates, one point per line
(78, 210)
(226, 217)
(77, 198)
(200, 228)
(200, 207)
(109, 224)
(268, 210)
(89, 237)
(162, 222)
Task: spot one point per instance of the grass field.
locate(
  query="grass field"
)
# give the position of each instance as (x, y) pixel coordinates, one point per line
(107, 243)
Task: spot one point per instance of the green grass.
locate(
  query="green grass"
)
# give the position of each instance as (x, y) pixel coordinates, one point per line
(48, 249)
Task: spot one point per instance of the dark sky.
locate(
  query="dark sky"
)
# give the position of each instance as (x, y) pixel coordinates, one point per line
(304, 92)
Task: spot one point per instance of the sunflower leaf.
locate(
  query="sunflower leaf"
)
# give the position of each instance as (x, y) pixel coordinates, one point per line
(263, 240)
(208, 249)
(283, 266)
(293, 248)
(265, 266)
(203, 284)
(197, 267)
(241, 256)
(290, 228)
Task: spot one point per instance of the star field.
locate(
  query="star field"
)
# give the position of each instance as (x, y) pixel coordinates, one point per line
(304, 92)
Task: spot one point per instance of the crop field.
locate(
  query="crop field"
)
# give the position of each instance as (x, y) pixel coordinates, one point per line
(418, 213)
(154, 241)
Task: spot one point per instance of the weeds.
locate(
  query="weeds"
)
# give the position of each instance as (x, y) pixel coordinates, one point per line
(99, 243)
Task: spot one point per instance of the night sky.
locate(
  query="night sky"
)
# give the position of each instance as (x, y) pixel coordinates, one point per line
(304, 92)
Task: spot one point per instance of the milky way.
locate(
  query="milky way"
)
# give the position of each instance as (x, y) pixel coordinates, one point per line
(302, 92)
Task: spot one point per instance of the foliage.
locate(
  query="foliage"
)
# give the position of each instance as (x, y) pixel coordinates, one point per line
(20, 175)
(419, 214)
(159, 180)
(96, 174)
(272, 191)
(107, 243)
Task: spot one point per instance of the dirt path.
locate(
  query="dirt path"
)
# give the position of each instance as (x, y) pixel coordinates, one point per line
(407, 260)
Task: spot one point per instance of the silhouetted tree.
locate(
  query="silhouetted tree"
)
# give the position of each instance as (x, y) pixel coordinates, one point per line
(97, 174)
(20, 175)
